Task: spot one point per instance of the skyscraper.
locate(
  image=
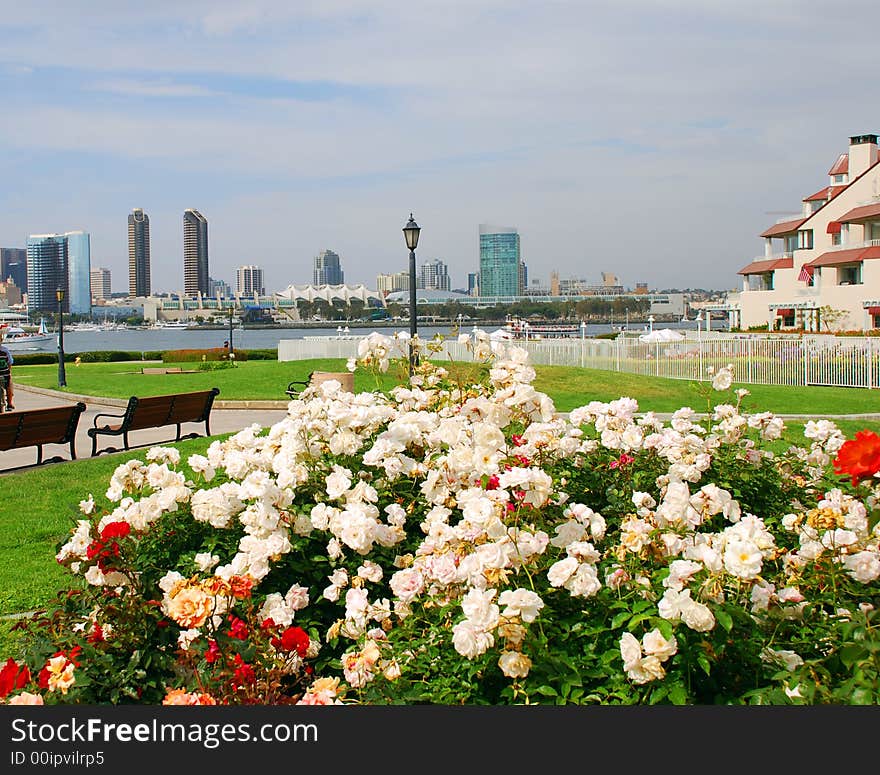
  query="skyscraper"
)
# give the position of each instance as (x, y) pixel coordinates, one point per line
(139, 253)
(195, 253)
(47, 270)
(328, 270)
(100, 282)
(249, 280)
(79, 272)
(500, 272)
(434, 276)
(13, 264)
(473, 284)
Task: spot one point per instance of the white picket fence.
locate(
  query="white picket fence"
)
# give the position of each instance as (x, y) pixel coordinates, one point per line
(811, 360)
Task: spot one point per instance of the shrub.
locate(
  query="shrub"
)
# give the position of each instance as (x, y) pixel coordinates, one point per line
(258, 355)
(32, 359)
(193, 356)
(215, 365)
(461, 543)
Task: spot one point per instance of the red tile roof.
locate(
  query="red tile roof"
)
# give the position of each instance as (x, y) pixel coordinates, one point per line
(787, 227)
(837, 257)
(841, 166)
(759, 267)
(863, 213)
(829, 192)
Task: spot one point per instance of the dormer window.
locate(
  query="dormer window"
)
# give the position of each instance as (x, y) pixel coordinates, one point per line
(838, 180)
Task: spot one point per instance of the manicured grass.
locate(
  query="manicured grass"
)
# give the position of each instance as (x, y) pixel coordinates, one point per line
(40, 507)
(248, 380)
(568, 386)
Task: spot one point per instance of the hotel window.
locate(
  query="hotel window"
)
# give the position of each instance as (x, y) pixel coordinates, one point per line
(791, 243)
(835, 238)
(761, 282)
(839, 179)
(849, 274)
(872, 231)
(805, 239)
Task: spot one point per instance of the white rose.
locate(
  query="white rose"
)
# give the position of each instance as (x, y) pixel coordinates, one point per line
(469, 641)
(698, 617)
(561, 571)
(656, 645)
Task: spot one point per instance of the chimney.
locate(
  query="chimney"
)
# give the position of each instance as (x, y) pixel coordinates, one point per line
(862, 154)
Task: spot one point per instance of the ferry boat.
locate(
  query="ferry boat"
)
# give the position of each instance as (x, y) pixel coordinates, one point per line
(523, 329)
(19, 340)
(174, 324)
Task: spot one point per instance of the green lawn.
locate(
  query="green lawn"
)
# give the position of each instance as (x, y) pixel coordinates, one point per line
(568, 386)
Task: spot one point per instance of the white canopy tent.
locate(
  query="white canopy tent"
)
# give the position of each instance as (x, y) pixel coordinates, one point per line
(662, 335)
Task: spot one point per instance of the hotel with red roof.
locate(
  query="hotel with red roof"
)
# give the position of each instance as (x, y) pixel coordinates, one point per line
(827, 257)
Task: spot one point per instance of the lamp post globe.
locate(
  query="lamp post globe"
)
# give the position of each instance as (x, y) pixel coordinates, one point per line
(59, 297)
(411, 235)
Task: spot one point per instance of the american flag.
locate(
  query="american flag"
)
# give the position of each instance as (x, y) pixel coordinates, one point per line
(806, 274)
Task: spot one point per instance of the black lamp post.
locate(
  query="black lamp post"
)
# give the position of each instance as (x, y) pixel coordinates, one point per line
(411, 234)
(59, 296)
(231, 308)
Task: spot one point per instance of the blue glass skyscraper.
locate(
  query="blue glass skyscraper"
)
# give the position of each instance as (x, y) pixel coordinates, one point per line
(79, 271)
(47, 271)
(499, 261)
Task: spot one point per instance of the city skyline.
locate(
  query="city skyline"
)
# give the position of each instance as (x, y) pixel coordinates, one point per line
(627, 137)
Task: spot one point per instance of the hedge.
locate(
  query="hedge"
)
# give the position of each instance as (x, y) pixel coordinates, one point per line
(167, 356)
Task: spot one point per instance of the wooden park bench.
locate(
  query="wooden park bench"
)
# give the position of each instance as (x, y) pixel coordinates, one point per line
(155, 412)
(36, 427)
(345, 378)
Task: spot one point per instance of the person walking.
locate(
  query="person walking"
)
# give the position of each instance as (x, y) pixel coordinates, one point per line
(6, 361)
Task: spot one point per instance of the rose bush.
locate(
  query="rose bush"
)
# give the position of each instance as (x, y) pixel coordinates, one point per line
(459, 541)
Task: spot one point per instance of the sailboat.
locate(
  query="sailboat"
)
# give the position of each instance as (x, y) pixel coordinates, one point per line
(17, 339)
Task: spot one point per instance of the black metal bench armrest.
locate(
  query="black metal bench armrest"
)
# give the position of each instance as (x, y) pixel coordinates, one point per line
(110, 416)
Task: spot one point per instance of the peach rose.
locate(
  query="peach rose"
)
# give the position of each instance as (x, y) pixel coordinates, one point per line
(190, 607)
(26, 698)
(181, 697)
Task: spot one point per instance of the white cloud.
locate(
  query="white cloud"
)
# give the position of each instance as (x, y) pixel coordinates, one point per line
(652, 136)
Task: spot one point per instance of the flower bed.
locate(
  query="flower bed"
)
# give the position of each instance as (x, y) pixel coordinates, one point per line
(462, 543)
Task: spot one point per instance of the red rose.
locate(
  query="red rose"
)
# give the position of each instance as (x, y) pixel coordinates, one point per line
(115, 530)
(13, 677)
(237, 628)
(293, 639)
(213, 652)
(859, 458)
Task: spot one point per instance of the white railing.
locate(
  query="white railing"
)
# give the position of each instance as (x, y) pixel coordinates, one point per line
(777, 360)
(774, 256)
(869, 243)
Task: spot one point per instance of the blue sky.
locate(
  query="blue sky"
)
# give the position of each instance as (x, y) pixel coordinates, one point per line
(652, 138)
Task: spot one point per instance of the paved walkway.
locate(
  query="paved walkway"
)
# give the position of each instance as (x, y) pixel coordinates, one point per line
(224, 419)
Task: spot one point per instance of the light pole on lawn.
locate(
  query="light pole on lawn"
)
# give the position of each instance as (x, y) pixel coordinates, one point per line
(411, 235)
(231, 353)
(59, 297)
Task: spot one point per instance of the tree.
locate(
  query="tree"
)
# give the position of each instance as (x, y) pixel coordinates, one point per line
(831, 318)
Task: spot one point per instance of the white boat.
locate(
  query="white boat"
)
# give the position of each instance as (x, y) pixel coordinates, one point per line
(523, 329)
(174, 324)
(19, 340)
(84, 327)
